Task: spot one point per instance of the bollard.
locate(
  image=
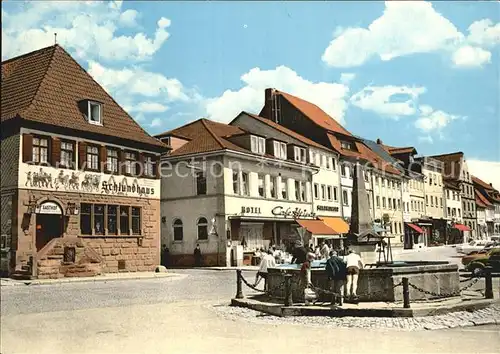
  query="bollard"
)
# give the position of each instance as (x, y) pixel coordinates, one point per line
(406, 293)
(288, 290)
(488, 282)
(239, 291)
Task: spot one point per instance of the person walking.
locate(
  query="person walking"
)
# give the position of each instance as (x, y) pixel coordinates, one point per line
(336, 270)
(165, 256)
(354, 264)
(197, 256)
(325, 250)
(267, 261)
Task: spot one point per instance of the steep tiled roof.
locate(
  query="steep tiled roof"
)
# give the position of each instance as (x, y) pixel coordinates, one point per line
(205, 136)
(314, 113)
(482, 183)
(46, 86)
(481, 200)
(488, 191)
(287, 131)
(402, 150)
(451, 184)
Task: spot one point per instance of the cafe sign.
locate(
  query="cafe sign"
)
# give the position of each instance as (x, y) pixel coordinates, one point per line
(295, 213)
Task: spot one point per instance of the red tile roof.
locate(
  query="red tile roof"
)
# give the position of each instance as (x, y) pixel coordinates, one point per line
(451, 184)
(482, 183)
(287, 131)
(314, 113)
(46, 85)
(481, 200)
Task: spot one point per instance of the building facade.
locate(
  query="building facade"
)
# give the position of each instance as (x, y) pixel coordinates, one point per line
(490, 197)
(80, 190)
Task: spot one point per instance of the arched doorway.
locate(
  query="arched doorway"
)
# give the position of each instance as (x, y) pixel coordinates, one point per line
(49, 223)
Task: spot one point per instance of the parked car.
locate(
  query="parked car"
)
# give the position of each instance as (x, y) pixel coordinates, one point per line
(475, 245)
(473, 255)
(489, 259)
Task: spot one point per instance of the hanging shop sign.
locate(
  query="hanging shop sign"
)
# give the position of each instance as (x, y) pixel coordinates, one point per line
(292, 212)
(50, 208)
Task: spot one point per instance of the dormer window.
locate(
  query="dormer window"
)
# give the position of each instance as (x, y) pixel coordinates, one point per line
(280, 150)
(299, 154)
(346, 145)
(166, 140)
(94, 112)
(258, 145)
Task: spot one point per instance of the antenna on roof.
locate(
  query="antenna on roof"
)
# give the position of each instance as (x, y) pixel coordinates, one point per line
(55, 38)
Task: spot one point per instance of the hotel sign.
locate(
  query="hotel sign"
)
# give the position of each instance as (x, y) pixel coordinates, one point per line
(292, 212)
(250, 210)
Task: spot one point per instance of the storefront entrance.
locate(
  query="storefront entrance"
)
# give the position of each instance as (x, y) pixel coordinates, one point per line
(48, 224)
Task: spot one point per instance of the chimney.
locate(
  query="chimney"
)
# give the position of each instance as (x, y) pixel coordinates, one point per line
(272, 105)
(379, 141)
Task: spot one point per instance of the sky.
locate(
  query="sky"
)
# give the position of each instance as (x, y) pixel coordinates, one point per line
(416, 74)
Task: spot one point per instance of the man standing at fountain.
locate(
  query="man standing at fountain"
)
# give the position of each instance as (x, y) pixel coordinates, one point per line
(325, 250)
(266, 262)
(336, 270)
(354, 264)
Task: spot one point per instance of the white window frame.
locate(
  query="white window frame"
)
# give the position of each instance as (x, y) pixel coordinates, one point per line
(316, 191)
(323, 192)
(258, 145)
(329, 193)
(279, 150)
(299, 154)
(261, 178)
(90, 117)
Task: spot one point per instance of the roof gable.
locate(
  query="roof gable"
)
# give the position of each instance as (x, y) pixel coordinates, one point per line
(47, 85)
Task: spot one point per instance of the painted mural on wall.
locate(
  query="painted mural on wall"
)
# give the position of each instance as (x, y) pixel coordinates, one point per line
(48, 178)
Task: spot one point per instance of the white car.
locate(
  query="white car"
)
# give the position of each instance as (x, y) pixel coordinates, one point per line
(475, 245)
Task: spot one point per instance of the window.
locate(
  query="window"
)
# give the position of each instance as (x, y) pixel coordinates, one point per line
(328, 163)
(302, 187)
(124, 220)
(98, 219)
(300, 154)
(261, 185)
(427, 200)
(148, 166)
(316, 191)
(334, 164)
(244, 183)
(399, 204)
(297, 190)
(112, 220)
(323, 192)
(86, 219)
(389, 201)
(345, 199)
(343, 170)
(201, 183)
(335, 193)
(236, 185)
(178, 230)
(258, 145)
(40, 150)
(94, 113)
(311, 157)
(280, 150)
(432, 201)
(283, 189)
(136, 220)
(272, 185)
(377, 201)
(112, 160)
(130, 163)
(202, 229)
(93, 158)
(323, 161)
(440, 202)
(329, 193)
(346, 145)
(67, 153)
(459, 213)
(383, 203)
(449, 211)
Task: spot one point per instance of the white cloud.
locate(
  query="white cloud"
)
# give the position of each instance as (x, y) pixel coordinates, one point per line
(129, 18)
(331, 97)
(426, 139)
(147, 107)
(468, 56)
(346, 78)
(378, 100)
(484, 33)
(88, 29)
(434, 120)
(488, 171)
(135, 81)
(155, 123)
(405, 27)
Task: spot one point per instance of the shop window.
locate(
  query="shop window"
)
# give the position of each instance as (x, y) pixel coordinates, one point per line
(67, 154)
(201, 183)
(98, 219)
(261, 185)
(178, 230)
(112, 160)
(40, 150)
(93, 158)
(202, 229)
(86, 219)
(124, 220)
(112, 220)
(131, 163)
(136, 220)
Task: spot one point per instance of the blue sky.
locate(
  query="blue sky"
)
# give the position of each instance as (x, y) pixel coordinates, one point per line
(421, 74)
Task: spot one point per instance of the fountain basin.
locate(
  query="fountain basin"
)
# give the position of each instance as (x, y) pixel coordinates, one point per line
(376, 284)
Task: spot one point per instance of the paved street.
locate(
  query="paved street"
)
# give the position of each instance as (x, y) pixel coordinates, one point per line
(177, 315)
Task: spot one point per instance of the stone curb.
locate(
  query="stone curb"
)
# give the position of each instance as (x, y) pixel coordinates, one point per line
(11, 282)
(283, 311)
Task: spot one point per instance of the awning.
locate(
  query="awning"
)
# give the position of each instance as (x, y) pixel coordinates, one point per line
(337, 224)
(462, 227)
(316, 227)
(416, 228)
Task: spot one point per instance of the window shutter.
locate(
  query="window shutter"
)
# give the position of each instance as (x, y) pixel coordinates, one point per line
(55, 155)
(142, 167)
(82, 154)
(27, 147)
(103, 159)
